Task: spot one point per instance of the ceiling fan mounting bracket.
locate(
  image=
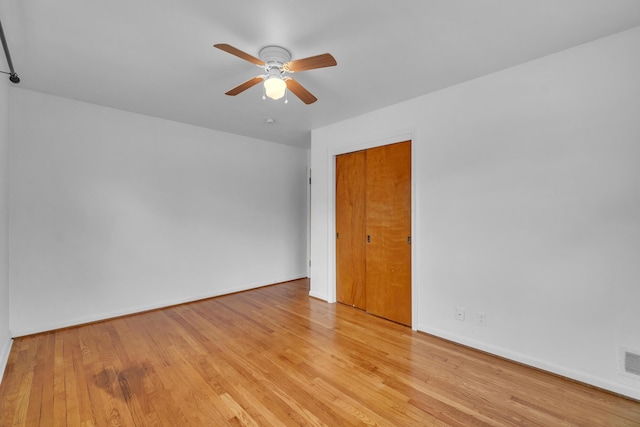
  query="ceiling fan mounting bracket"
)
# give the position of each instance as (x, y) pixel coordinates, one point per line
(274, 57)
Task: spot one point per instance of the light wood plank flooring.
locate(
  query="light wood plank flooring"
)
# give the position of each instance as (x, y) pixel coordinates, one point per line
(275, 357)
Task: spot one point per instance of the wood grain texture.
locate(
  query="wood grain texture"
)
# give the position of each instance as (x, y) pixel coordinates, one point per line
(388, 271)
(310, 63)
(244, 86)
(239, 53)
(300, 91)
(275, 357)
(351, 229)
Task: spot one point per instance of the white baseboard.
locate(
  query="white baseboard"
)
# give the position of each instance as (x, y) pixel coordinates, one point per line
(536, 363)
(319, 296)
(35, 329)
(4, 355)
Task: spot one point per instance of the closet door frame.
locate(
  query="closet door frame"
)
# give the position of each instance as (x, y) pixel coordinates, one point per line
(363, 144)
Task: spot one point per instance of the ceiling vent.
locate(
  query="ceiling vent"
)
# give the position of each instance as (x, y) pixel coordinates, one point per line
(630, 362)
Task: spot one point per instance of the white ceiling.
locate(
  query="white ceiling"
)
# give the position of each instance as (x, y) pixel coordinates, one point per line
(156, 57)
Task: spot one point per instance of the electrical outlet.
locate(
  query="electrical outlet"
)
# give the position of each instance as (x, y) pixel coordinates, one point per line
(482, 318)
(460, 313)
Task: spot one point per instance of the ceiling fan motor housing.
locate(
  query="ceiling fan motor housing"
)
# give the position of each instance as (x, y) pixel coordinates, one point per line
(274, 56)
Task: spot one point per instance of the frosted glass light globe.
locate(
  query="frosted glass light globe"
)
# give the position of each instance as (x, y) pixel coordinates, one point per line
(275, 87)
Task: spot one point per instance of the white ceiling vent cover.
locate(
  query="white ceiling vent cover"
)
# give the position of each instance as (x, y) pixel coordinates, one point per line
(630, 362)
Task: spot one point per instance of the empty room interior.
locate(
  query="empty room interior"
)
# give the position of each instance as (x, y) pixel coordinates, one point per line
(331, 213)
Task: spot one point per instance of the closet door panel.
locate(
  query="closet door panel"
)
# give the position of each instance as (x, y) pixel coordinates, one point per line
(388, 229)
(350, 229)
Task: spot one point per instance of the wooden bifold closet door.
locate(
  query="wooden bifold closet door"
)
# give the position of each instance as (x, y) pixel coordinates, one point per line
(373, 231)
(350, 229)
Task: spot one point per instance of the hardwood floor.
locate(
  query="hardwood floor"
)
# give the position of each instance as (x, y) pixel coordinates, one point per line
(275, 357)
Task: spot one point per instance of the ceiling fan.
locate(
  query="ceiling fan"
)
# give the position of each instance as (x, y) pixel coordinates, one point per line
(276, 62)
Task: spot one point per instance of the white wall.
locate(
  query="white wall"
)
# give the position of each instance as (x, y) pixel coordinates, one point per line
(114, 212)
(526, 207)
(5, 337)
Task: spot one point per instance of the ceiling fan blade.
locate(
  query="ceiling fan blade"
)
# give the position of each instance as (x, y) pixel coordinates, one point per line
(310, 63)
(244, 86)
(299, 91)
(240, 54)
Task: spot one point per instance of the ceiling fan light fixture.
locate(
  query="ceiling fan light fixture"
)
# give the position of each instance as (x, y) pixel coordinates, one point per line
(275, 87)
(276, 61)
